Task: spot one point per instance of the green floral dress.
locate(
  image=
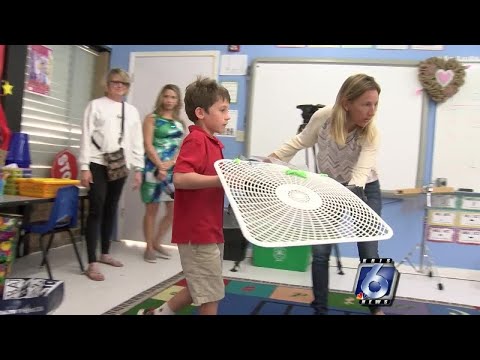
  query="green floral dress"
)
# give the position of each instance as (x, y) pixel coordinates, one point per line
(167, 137)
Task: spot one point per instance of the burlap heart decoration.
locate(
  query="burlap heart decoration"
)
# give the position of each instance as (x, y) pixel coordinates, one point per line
(441, 78)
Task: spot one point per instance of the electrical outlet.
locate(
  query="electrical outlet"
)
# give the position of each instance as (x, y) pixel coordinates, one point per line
(240, 136)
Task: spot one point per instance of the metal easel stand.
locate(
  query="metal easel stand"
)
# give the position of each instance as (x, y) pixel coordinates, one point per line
(426, 266)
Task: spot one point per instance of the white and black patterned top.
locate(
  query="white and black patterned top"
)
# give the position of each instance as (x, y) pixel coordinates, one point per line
(353, 163)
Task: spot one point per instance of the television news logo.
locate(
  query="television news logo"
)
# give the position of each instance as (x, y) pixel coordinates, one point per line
(376, 282)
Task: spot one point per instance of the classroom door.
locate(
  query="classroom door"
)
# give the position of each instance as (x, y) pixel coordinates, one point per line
(150, 71)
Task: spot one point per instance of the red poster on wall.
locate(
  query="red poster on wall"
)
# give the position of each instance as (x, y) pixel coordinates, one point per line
(64, 166)
(40, 69)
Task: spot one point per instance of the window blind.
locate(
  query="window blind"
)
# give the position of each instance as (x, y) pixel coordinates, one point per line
(53, 121)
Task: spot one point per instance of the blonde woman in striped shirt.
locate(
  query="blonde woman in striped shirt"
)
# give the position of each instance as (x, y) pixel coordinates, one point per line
(347, 142)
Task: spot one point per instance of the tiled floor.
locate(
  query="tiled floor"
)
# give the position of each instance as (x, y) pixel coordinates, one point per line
(83, 296)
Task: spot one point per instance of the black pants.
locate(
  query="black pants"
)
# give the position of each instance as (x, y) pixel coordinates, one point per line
(103, 202)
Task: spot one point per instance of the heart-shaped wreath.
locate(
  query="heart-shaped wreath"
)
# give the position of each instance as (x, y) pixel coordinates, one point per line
(441, 78)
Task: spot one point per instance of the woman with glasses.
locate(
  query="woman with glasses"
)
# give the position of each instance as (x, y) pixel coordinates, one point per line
(109, 124)
(163, 131)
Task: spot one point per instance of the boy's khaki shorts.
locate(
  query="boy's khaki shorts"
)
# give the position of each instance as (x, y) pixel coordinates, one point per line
(202, 267)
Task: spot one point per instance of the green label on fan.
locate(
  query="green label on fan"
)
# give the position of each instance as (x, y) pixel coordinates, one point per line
(299, 173)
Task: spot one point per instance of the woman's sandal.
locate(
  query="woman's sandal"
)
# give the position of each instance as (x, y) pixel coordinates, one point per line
(162, 252)
(110, 261)
(93, 274)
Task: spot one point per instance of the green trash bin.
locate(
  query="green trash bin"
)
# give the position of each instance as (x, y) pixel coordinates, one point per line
(294, 258)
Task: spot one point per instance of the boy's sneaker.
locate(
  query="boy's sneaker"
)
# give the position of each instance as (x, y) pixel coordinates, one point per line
(151, 311)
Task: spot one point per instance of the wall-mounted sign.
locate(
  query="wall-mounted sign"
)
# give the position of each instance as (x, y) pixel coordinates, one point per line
(40, 69)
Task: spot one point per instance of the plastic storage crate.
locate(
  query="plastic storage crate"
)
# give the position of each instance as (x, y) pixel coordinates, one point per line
(43, 187)
(294, 258)
(11, 187)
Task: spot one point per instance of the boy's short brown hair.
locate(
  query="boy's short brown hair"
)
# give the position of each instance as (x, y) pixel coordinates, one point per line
(203, 93)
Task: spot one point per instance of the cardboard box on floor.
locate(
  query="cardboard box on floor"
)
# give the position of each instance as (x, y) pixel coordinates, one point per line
(31, 296)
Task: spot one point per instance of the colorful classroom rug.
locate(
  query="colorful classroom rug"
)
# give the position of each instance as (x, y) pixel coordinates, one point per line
(248, 297)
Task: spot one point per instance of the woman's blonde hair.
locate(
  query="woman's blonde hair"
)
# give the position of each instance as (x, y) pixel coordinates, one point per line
(121, 73)
(159, 107)
(352, 88)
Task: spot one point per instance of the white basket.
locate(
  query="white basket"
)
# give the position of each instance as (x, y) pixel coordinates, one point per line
(277, 207)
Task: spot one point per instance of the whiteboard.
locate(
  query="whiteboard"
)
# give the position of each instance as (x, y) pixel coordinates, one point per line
(456, 154)
(279, 85)
(150, 71)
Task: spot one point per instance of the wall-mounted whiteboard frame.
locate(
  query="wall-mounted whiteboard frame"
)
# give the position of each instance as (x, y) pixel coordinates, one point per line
(278, 85)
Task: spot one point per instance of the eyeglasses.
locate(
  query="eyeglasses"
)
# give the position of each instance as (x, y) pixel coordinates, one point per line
(114, 82)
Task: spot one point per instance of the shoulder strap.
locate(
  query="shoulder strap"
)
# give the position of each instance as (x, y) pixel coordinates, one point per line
(95, 143)
(123, 122)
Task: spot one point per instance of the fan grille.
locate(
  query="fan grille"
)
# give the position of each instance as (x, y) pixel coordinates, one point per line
(274, 208)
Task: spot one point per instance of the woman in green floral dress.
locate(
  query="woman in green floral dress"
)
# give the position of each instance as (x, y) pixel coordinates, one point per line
(163, 131)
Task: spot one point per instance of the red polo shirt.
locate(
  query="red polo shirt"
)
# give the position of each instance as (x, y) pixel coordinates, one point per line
(198, 214)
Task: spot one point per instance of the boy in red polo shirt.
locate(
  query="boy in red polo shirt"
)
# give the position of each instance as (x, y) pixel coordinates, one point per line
(198, 206)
